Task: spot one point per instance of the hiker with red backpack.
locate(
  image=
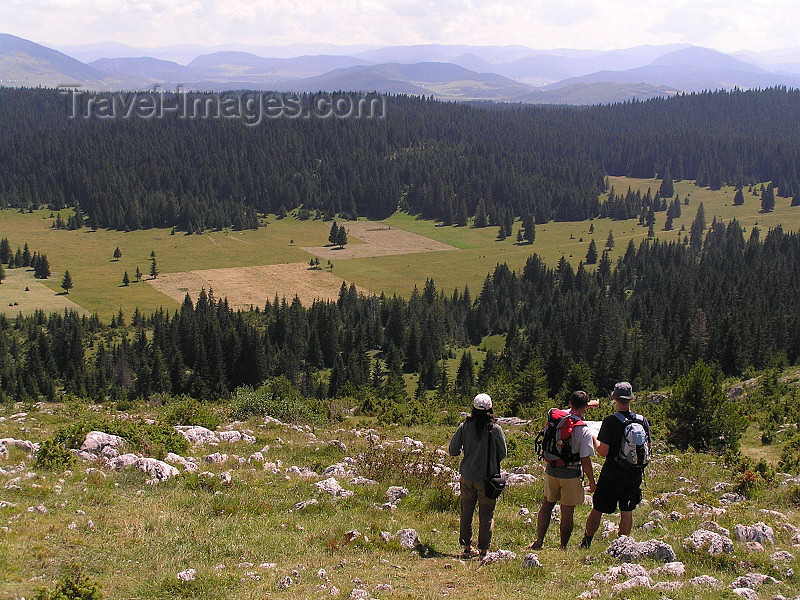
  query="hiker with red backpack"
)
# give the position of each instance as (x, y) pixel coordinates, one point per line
(624, 440)
(567, 445)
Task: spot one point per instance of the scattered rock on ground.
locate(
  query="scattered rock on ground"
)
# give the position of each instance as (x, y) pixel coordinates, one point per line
(708, 541)
(187, 575)
(629, 550)
(760, 532)
(499, 556)
(332, 487)
(408, 538)
(530, 561)
(197, 435)
(97, 441)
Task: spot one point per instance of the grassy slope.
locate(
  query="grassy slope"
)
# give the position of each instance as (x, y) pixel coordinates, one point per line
(144, 535)
(98, 278)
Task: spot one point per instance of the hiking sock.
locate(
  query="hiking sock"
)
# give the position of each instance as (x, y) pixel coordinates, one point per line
(586, 541)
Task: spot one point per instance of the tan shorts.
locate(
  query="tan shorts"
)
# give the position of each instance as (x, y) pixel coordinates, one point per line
(568, 491)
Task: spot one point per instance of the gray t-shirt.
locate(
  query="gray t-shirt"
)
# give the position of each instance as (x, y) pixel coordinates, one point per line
(473, 465)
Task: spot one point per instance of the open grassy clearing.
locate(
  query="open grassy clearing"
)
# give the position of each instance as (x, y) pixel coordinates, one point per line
(15, 300)
(376, 259)
(243, 538)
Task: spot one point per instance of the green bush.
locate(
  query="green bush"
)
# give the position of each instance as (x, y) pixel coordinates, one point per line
(150, 439)
(75, 586)
(184, 410)
(277, 398)
(54, 456)
(790, 458)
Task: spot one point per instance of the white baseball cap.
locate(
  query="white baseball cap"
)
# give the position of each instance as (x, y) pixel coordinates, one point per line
(482, 402)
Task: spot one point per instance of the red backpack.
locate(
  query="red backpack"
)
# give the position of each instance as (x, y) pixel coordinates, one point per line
(554, 442)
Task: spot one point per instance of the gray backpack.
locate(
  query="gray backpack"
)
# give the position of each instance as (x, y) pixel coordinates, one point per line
(634, 450)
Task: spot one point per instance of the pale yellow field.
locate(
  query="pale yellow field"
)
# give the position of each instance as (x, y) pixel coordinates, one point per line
(14, 299)
(249, 287)
(379, 239)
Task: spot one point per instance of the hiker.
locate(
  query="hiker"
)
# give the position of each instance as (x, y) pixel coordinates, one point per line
(563, 481)
(482, 441)
(624, 440)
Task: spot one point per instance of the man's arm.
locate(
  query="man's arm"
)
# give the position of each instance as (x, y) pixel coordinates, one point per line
(601, 448)
(588, 470)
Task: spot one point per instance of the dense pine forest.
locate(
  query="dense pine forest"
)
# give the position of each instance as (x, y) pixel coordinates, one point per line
(443, 161)
(731, 302)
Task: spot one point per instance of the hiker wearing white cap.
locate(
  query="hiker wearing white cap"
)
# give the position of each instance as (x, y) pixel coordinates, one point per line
(482, 441)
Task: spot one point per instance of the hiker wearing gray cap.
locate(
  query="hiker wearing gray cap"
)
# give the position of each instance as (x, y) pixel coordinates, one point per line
(624, 440)
(479, 437)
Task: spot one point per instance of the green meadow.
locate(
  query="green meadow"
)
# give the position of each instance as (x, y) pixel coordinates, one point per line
(97, 276)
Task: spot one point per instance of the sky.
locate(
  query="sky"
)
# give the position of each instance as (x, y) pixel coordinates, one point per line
(727, 25)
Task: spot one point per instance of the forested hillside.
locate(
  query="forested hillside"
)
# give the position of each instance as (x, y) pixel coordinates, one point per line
(440, 160)
(732, 302)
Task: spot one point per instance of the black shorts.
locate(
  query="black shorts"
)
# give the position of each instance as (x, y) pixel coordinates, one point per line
(624, 490)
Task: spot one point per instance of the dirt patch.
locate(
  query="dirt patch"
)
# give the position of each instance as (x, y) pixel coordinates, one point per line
(379, 240)
(253, 286)
(38, 296)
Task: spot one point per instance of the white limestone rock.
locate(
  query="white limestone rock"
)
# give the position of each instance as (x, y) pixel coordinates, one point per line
(122, 461)
(188, 575)
(752, 581)
(705, 581)
(674, 569)
(499, 556)
(408, 538)
(216, 458)
(531, 561)
(760, 532)
(331, 486)
(183, 463)
(396, 493)
(157, 469)
(305, 504)
(97, 441)
(633, 582)
(197, 435)
(703, 540)
(745, 593)
(629, 550)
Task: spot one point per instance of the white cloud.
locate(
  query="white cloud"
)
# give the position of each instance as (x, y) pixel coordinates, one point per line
(601, 24)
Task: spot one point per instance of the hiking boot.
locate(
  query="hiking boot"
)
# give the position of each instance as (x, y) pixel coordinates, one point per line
(585, 542)
(469, 553)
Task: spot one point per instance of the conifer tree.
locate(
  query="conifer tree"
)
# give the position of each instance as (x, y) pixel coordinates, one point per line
(610, 240)
(768, 199)
(341, 237)
(481, 218)
(66, 282)
(529, 228)
(117, 253)
(333, 236)
(2, 273)
(153, 266)
(591, 254)
(138, 274)
(125, 279)
(738, 198)
(697, 229)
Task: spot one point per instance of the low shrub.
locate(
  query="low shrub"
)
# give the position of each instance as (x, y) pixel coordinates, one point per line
(277, 398)
(184, 410)
(151, 439)
(75, 586)
(54, 456)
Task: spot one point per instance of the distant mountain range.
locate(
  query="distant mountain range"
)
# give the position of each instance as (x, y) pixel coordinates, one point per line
(450, 72)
